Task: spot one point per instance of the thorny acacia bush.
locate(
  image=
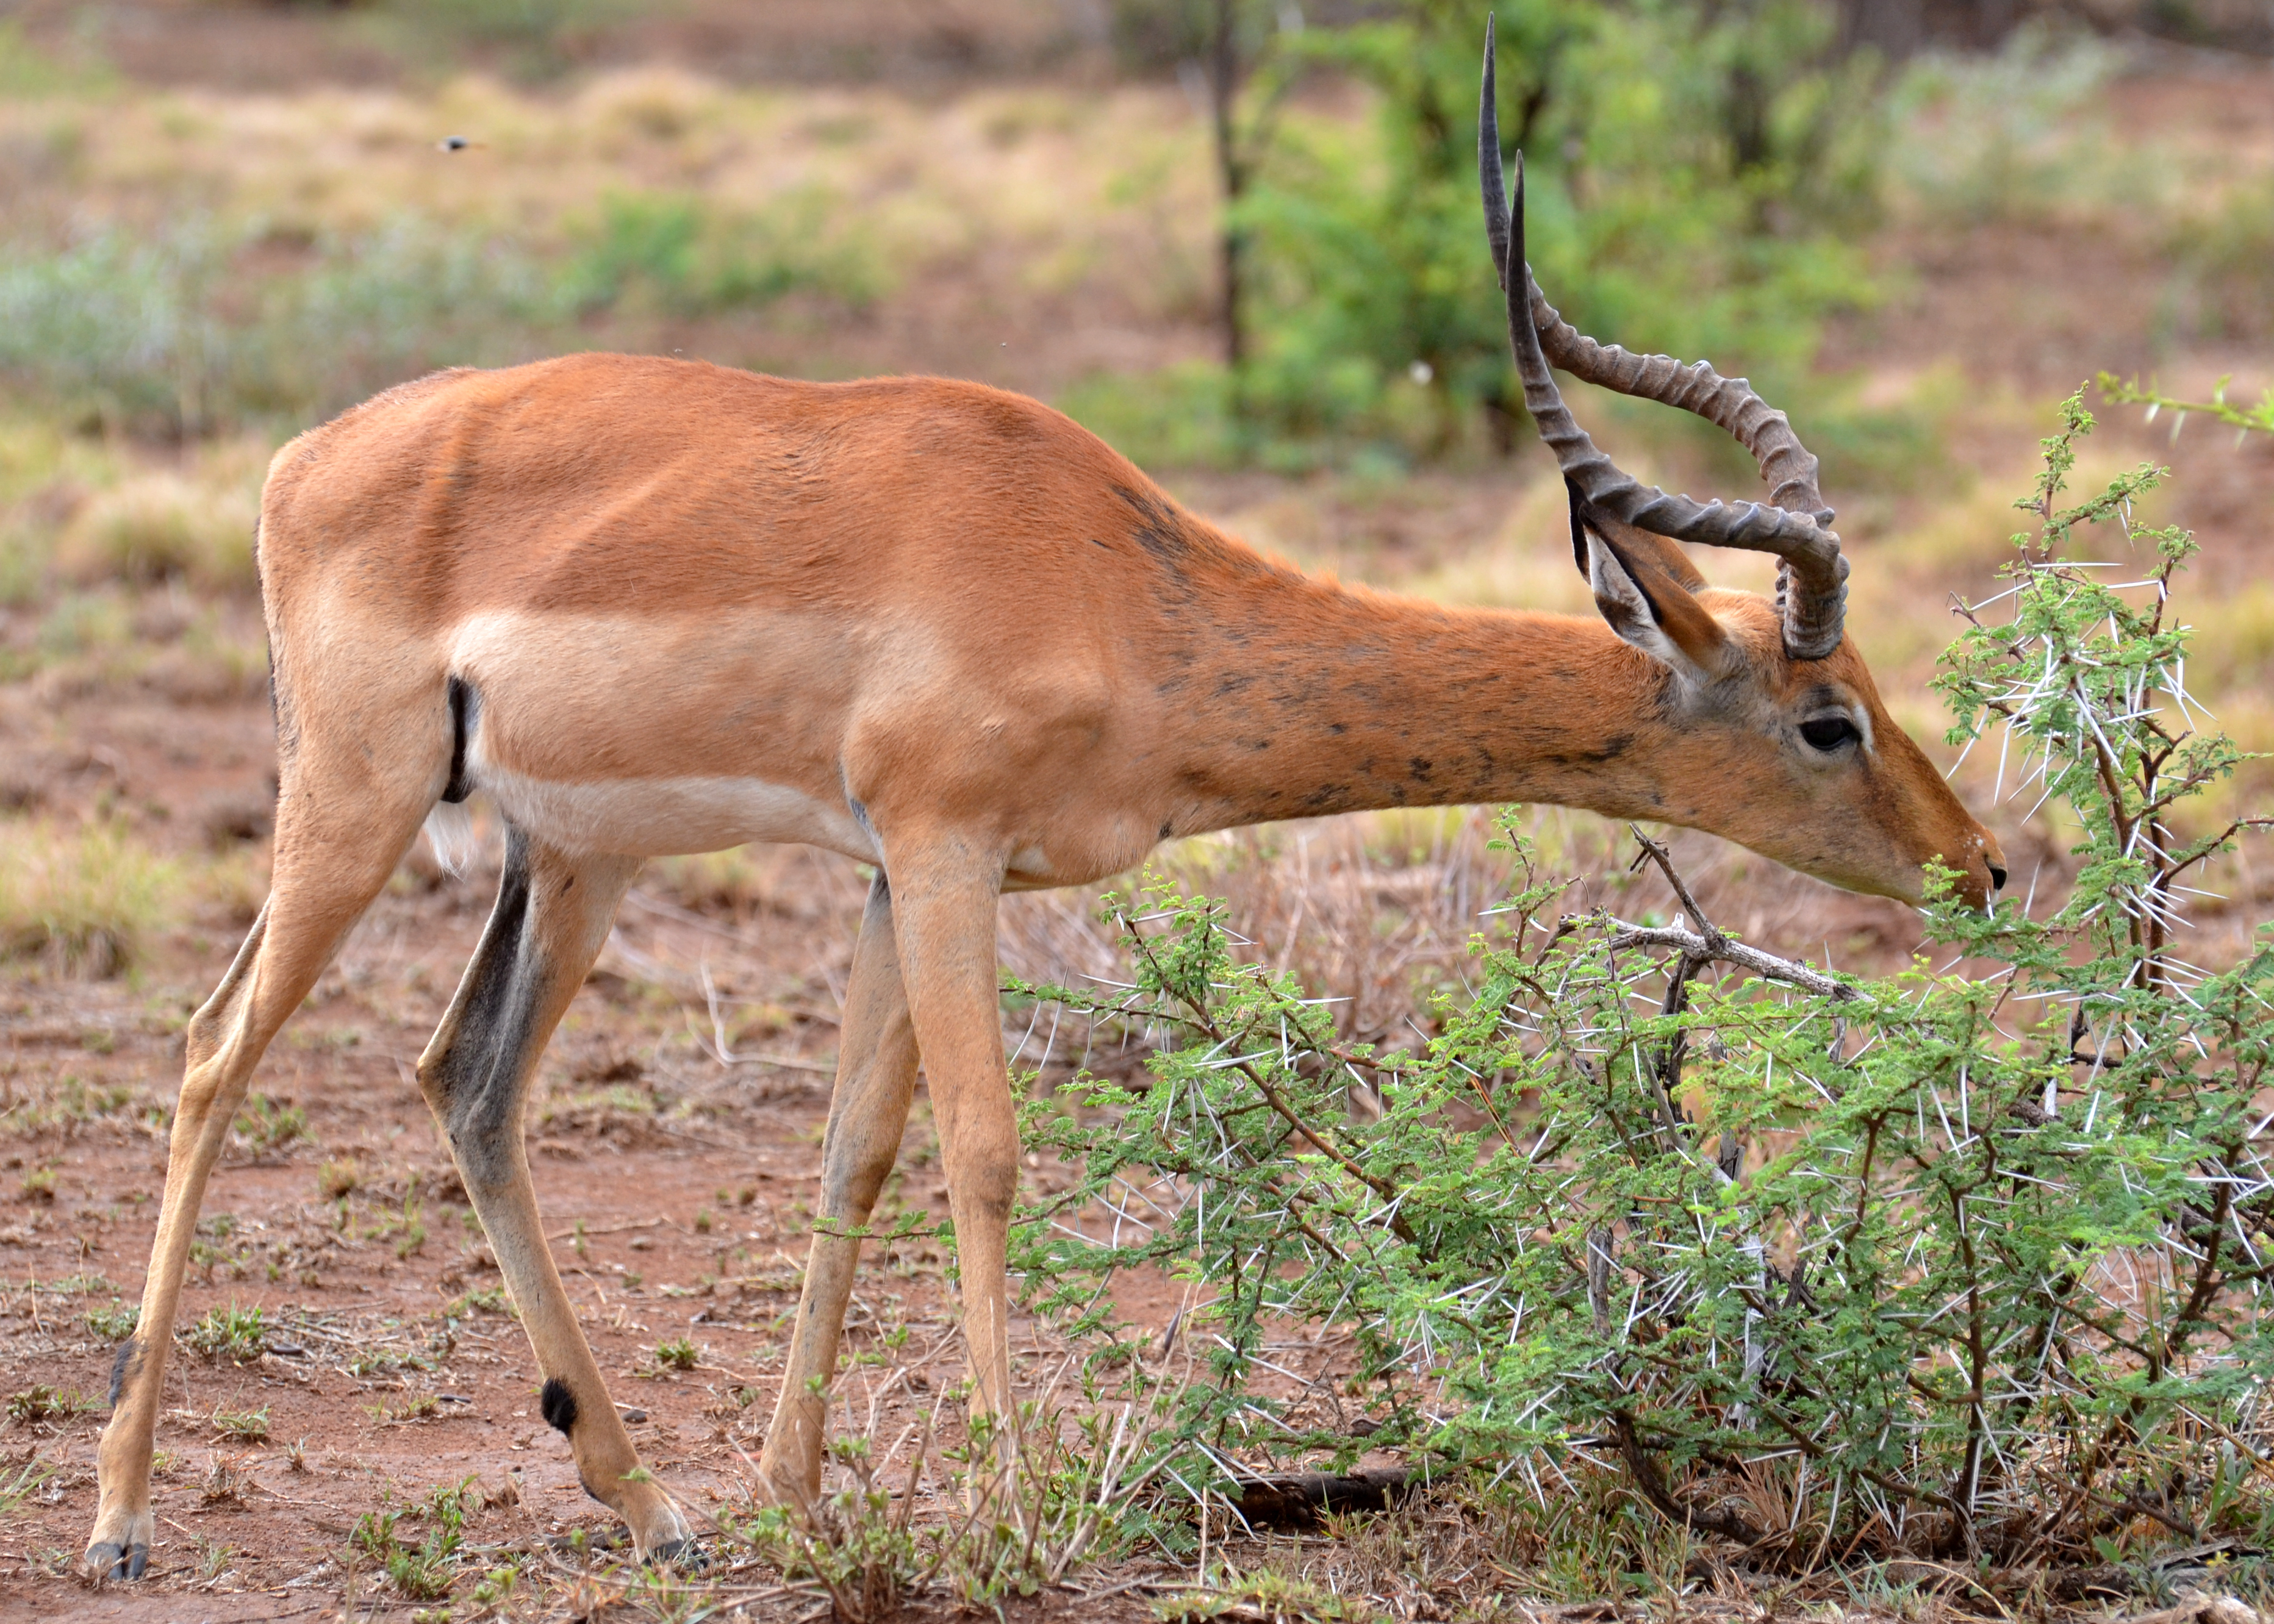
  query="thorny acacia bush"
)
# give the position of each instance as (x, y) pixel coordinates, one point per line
(1962, 1262)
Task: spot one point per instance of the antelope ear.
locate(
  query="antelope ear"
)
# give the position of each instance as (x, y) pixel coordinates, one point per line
(1652, 611)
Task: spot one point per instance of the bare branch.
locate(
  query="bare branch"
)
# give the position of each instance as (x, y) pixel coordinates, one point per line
(1719, 949)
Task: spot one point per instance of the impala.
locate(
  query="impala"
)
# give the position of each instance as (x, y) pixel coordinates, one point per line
(656, 607)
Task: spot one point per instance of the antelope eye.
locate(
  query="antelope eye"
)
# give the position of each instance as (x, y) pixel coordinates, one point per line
(1829, 733)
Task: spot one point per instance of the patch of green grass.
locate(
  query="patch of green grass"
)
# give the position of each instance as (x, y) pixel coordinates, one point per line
(486, 1300)
(40, 1403)
(239, 1334)
(16, 1489)
(116, 1323)
(497, 1585)
(379, 1360)
(243, 1426)
(268, 1126)
(416, 1406)
(210, 1246)
(426, 1571)
(78, 1285)
(213, 1557)
(71, 1099)
(1267, 1594)
(39, 1184)
(412, 1234)
(679, 1355)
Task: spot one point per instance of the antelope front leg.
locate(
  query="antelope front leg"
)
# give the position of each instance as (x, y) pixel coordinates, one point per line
(876, 1075)
(552, 917)
(945, 897)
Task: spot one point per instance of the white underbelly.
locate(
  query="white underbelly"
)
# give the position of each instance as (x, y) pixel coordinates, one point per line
(661, 817)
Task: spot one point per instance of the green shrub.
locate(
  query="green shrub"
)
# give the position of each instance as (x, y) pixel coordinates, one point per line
(172, 330)
(2016, 134)
(1965, 1263)
(26, 71)
(673, 253)
(1696, 176)
(533, 39)
(2226, 262)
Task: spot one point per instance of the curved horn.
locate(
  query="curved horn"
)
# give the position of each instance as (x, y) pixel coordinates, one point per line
(1811, 585)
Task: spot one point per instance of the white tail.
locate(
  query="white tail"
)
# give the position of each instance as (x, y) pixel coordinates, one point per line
(449, 831)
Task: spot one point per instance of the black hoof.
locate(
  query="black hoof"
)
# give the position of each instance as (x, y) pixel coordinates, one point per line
(108, 1560)
(683, 1554)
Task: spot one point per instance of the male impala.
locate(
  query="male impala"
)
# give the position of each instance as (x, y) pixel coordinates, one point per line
(653, 606)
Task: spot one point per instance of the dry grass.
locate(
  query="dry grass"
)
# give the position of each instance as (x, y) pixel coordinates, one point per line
(955, 213)
(158, 526)
(84, 901)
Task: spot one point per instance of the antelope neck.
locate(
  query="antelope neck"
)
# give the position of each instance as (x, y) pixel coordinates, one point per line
(1335, 700)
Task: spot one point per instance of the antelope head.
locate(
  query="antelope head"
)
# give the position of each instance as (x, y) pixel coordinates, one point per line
(1772, 719)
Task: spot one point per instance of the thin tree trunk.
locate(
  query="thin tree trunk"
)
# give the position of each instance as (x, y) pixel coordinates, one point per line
(1231, 172)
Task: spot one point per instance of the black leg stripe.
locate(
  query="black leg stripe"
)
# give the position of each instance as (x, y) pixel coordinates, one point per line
(130, 1354)
(558, 1405)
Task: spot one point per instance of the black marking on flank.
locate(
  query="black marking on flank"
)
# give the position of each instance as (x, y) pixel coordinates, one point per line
(1159, 530)
(558, 1405)
(1420, 764)
(465, 716)
(129, 1359)
(1167, 828)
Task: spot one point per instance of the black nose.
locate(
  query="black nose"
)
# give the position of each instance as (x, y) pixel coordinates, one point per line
(1996, 877)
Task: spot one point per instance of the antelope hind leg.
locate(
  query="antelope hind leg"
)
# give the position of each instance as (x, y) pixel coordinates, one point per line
(876, 1076)
(552, 916)
(325, 876)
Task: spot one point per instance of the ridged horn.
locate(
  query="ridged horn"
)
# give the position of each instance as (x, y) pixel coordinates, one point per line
(1811, 583)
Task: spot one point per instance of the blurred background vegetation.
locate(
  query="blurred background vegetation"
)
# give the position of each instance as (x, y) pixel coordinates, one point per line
(1236, 238)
